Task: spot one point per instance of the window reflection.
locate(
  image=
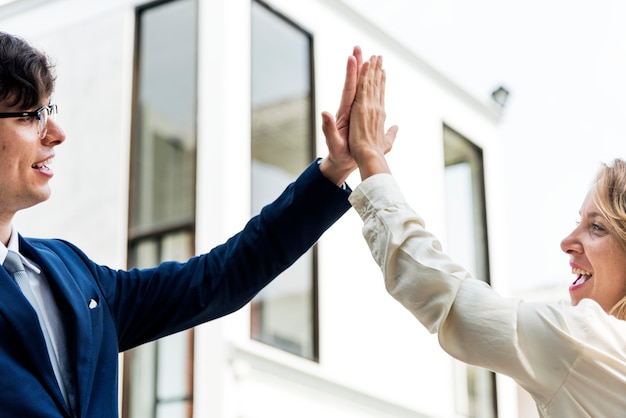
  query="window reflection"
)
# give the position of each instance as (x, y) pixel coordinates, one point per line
(164, 145)
(283, 314)
(158, 376)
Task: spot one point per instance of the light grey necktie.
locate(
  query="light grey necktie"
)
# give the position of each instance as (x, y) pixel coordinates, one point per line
(14, 266)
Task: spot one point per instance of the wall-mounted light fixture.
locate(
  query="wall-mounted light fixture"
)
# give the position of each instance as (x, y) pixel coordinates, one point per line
(500, 96)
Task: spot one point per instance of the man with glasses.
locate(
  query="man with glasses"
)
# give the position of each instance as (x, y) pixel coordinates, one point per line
(64, 318)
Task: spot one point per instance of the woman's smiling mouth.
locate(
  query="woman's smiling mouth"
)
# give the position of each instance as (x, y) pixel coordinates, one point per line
(581, 278)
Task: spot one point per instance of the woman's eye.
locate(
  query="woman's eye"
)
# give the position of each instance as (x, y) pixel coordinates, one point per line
(597, 227)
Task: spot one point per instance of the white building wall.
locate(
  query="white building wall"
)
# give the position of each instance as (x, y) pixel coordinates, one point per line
(375, 359)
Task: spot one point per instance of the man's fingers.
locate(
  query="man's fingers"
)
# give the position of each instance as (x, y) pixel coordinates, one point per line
(328, 124)
(358, 56)
(349, 86)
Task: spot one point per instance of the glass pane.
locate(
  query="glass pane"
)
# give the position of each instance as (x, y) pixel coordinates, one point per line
(144, 254)
(282, 314)
(173, 410)
(281, 97)
(177, 246)
(172, 376)
(164, 150)
(460, 215)
(161, 371)
(142, 378)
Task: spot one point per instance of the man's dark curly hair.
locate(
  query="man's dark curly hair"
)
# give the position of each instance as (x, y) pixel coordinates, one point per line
(26, 74)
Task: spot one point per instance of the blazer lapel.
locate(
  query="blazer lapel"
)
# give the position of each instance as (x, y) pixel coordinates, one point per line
(74, 307)
(20, 314)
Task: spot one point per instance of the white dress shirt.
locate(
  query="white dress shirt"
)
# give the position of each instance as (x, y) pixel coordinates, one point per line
(572, 360)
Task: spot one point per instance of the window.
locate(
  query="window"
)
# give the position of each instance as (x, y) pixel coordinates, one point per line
(284, 314)
(466, 219)
(158, 376)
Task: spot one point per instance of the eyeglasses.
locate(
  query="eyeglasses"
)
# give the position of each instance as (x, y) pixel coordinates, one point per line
(42, 115)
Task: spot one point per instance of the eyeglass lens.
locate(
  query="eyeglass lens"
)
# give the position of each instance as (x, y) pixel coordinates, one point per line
(44, 114)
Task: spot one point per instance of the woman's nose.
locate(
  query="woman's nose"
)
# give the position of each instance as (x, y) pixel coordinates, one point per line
(570, 243)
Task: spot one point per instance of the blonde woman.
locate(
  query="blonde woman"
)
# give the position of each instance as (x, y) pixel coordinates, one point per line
(570, 356)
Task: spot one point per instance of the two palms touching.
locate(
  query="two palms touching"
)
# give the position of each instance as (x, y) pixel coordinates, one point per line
(358, 131)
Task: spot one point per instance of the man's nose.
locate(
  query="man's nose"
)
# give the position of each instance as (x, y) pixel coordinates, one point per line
(54, 133)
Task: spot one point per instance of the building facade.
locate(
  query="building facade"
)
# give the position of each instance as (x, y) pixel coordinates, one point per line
(185, 117)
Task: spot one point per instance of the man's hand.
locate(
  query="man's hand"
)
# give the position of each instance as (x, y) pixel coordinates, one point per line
(339, 163)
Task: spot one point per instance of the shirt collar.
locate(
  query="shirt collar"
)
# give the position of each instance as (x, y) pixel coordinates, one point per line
(14, 245)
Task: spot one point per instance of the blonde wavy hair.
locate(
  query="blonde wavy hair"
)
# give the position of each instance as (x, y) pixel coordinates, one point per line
(610, 188)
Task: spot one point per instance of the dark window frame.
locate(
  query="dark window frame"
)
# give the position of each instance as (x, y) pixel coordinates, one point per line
(137, 236)
(479, 201)
(312, 131)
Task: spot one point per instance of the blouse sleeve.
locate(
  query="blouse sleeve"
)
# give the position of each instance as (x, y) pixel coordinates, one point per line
(535, 344)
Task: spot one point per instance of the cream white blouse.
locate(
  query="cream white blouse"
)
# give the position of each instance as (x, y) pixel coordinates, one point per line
(572, 360)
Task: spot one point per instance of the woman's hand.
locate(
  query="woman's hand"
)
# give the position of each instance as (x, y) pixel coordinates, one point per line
(368, 141)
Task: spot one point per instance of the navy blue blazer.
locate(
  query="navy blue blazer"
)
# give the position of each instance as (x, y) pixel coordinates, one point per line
(137, 306)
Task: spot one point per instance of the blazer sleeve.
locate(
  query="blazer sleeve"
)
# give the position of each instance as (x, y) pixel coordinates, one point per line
(146, 304)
